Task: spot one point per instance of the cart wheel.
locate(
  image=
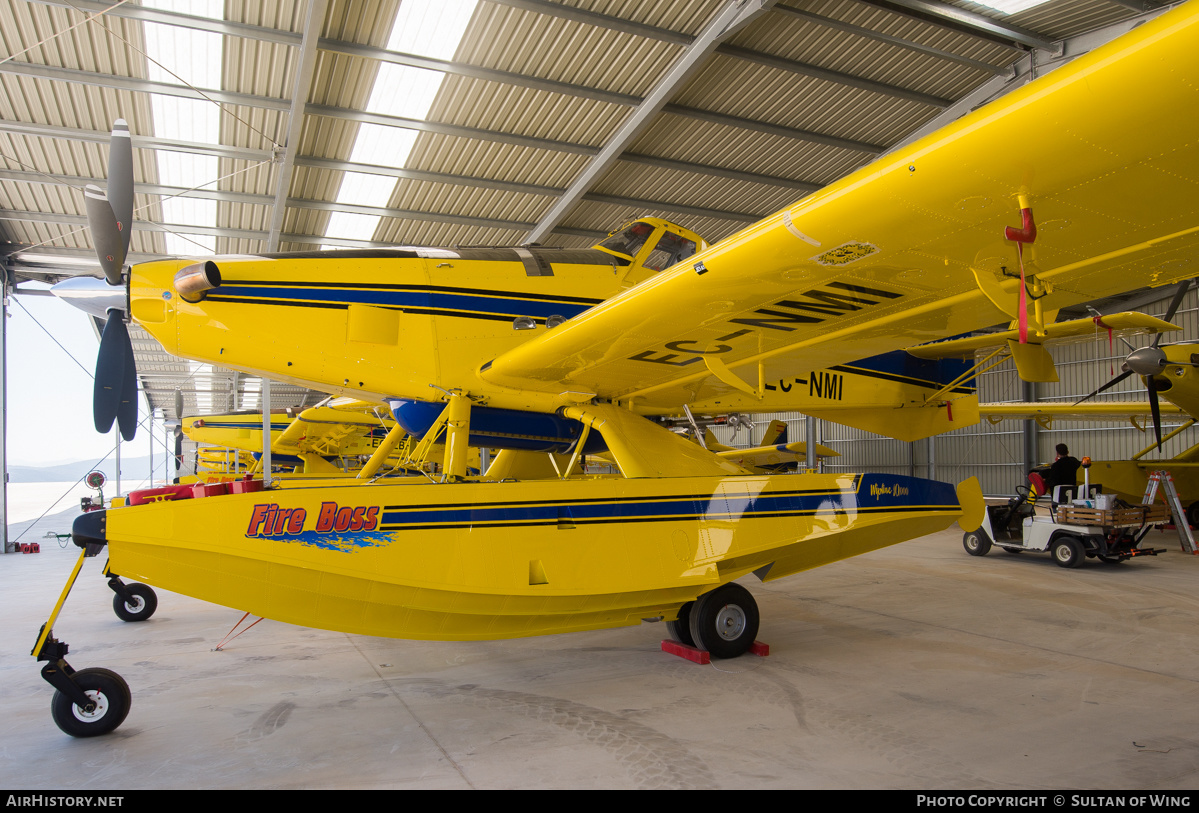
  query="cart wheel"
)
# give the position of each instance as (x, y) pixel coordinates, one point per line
(976, 543)
(1193, 514)
(1068, 552)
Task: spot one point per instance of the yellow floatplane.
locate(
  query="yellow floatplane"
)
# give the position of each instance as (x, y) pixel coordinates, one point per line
(553, 354)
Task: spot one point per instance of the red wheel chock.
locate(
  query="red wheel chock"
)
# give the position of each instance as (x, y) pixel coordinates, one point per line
(702, 656)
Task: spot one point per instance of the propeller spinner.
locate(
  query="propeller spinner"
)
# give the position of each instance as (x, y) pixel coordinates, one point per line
(110, 218)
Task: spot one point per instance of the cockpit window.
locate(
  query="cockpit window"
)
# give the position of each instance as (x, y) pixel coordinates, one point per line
(671, 248)
(629, 241)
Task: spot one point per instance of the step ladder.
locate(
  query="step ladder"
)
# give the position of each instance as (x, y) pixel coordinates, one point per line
(1163, 479)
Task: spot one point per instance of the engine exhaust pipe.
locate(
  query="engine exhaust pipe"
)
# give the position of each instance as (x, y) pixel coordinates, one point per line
(195, 281)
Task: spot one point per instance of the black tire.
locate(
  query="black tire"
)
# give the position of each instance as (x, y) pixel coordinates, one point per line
(724, 622)
(1013, 550)
(1068, 552)
(1111, 560)
(1193, 515)
(111, 694)
(680, 628)
(145, 602)
(976, 543)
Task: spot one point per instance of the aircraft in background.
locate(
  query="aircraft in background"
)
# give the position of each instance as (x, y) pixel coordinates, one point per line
(553, 354)
(1168, 372)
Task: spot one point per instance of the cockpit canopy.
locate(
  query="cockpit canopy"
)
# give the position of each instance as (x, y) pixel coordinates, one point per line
(652, 243)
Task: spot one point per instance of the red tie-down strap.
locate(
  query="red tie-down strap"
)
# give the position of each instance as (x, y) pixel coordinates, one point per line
(1027, 233)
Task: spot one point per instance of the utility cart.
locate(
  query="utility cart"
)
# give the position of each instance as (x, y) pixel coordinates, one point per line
(1071, 533)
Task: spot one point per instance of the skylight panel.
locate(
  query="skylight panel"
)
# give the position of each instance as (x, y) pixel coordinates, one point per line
(213, 9)
(185, 119)
(382, 146)
(349, 226)
(404, 91)
(188, 210)
(185, 244)
(366, 190)
(430, 28)
(1010, 6)
(186, 169)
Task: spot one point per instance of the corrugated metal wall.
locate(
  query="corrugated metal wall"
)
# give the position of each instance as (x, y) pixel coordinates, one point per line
(995, 453)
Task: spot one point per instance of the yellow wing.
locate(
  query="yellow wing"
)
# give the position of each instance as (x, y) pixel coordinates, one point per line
(912, 247)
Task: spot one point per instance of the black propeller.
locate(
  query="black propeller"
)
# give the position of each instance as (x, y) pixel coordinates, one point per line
(1149, 362)
(110, 218)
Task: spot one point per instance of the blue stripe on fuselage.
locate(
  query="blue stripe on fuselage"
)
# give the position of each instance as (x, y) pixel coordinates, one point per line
(433, 300)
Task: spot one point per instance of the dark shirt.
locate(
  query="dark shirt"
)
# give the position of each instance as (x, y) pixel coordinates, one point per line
(1063, 472)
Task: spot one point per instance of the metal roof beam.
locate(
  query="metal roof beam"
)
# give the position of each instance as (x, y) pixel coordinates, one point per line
(150, 15)
(735, 15)
(969, 22)
(139, 141)
(295, 117)
(435, 177)
(299, 203)
(1024, 70)
(600, 20)
(140, 188)
(827, 75)
(108, 80)
(682, 208)
(719, 172)
(939, 53)
(476, 72)
(772, 129)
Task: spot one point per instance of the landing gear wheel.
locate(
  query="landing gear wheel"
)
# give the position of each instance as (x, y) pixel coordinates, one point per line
(976, 543)
(725, 621)
(110, 698)
(1068, 552)
(143, 605)
(680, 629)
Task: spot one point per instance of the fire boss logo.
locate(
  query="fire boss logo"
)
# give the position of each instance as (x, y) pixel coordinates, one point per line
(271, 520)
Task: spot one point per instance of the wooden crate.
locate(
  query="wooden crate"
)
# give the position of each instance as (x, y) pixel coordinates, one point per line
(1136, 515)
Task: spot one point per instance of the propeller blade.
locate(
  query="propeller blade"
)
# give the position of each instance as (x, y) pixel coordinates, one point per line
(127, 410)
(1108, 385)
(120, 181)
(1153, 407)
(178, 405)
(110, 372)
(106, 235)
(110, 215)
(1174, 303)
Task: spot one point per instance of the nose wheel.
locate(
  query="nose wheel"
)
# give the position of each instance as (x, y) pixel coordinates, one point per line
(107, 703)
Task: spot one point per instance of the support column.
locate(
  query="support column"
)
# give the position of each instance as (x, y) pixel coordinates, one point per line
(1031, 431)
(4, 407)
(810, 441)
(266, 433)
(931, 443)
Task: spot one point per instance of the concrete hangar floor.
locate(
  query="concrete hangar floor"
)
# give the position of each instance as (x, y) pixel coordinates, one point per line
(917, 667)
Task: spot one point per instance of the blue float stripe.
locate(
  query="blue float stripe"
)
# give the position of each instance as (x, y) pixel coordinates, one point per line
(469, 303)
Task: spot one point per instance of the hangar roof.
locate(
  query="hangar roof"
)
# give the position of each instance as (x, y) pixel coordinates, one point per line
(277, 125)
